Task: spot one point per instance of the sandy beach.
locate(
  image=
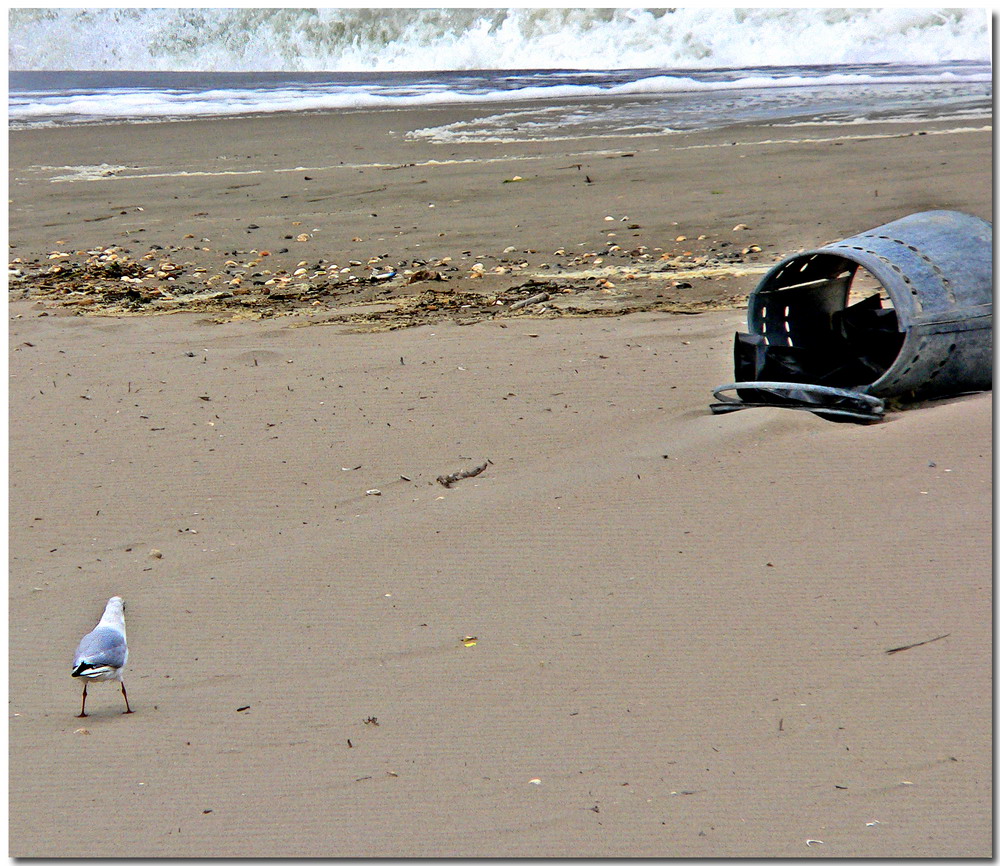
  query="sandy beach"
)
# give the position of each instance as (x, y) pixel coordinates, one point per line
(641, 631)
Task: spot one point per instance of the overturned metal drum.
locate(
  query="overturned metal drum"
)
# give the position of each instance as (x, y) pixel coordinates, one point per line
(903, 311)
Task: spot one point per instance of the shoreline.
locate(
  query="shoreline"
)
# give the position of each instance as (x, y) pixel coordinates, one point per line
(941, 114)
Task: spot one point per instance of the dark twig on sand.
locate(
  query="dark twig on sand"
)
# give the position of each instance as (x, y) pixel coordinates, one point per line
(448, 480)
(899, 649)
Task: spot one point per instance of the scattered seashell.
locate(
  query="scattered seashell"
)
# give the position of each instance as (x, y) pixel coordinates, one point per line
(302, 238)
(373, 492)
(681, 238)
(741, 227)
(420, 276)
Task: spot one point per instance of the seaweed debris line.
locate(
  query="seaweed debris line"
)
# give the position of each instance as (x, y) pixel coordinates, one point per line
(380, 293)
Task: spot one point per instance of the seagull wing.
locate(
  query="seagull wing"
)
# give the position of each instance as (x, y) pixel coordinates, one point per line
(101, 651)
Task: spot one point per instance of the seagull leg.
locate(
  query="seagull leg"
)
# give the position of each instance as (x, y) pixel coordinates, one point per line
(128, 709)
(83, 706)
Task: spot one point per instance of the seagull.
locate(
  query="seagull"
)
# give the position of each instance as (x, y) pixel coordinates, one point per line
(102, 654)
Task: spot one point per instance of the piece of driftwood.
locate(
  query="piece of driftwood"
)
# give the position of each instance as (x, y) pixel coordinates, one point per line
(448, 480)
(534, 299)
(899, 649)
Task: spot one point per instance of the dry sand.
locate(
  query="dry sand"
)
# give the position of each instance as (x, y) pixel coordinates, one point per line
(680, 620)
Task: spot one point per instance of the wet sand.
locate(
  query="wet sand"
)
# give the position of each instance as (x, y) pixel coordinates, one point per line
(271, 215)
(642, 630)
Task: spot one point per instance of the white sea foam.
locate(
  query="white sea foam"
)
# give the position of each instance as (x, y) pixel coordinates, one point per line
(963, 130)
(380, 39)
(106, 172)
(159, 103)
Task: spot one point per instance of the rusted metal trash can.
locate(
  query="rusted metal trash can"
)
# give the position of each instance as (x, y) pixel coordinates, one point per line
(903, 311)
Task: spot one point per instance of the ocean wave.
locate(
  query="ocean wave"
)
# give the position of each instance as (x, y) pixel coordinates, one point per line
(171, 102)
(253, 39)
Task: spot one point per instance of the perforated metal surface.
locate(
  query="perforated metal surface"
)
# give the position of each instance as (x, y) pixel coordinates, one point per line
(935, 269)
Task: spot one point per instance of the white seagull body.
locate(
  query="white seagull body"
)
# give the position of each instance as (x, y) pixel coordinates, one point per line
(102, 654)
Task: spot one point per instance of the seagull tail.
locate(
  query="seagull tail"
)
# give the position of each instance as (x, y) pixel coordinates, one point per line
(85, 669)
